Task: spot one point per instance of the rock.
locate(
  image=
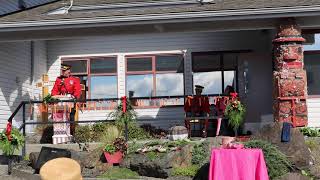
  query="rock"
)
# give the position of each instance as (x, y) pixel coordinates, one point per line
(144, 166)
(33, 157)
(294, 176)
(178, 133)
(161, 166)
(181, 158)
(296, 149)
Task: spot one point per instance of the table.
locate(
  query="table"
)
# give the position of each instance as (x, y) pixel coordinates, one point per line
(189, 120)
(237, 164)
(61, 131)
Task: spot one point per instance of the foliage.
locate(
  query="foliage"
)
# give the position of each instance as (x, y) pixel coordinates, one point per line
(110, 134)
(308, 174)
(133, 147)
(15, 141)
(190, 171)
(200, 154)
(152, 155)
(105, 132)
(110, 148)
(235, 112)
(119, 144)
(121, 117)
(310, 132)
(119, 173)
(277, 162)
(154, 132)
(136, 132)
(82, 134)
(49, 99)
(311, 144)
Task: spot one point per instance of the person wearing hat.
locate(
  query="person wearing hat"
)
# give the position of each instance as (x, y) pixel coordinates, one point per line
(198, 106)
(67, 85)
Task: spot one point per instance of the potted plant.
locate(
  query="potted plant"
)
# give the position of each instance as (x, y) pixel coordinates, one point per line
(10, 141)
(114, 152)
(235, 112)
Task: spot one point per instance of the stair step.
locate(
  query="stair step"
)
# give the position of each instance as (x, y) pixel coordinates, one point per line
(3, 170)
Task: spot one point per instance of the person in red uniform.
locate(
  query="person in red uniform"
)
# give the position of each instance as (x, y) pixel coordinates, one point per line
(67, 85)
(198, 106)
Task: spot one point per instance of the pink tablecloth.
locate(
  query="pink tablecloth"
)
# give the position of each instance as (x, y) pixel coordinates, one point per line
(237, 164)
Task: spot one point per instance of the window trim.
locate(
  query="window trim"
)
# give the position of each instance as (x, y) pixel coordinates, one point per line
(89, 74)
(153, 72)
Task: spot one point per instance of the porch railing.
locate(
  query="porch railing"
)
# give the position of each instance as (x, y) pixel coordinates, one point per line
(138, 102)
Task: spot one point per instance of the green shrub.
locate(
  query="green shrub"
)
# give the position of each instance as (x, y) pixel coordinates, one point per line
(8, 144)
(110, 134)
(200, 154)
(133, 147)
(306, 131)
(277, 162)
(190, 171)
(120, 173)
(82, 134)
(135, 132)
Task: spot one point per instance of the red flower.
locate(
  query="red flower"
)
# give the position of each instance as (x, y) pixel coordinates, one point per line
(8, 131)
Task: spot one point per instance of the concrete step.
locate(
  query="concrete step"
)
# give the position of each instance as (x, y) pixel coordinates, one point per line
(3, 170)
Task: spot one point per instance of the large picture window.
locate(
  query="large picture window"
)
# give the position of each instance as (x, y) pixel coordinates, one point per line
(98, 74)
(154, 75)
(215, 71)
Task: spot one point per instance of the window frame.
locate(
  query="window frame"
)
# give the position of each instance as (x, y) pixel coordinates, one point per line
(221, 69)
(153, 72)
(89, 74)
(311, 52)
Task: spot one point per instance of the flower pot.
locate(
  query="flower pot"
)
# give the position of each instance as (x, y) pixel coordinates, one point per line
(226, 140)
(243, 138)
(114, 158)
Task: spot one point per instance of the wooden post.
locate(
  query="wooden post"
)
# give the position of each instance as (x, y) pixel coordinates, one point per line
(45, 91)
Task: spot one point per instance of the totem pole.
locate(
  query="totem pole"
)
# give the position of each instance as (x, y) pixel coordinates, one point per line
(289, 76)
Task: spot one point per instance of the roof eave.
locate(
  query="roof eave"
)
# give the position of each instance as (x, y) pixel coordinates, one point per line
(242, 14)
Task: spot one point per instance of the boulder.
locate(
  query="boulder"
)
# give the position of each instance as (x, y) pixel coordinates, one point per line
(296, 149)
(178, 133)
(33, 157)
(161, 166)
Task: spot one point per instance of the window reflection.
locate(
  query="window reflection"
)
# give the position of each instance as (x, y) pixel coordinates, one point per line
(211, 81)
(230, 79)
(140, 85)
(169, 84)
(103, 87)
(312, 66)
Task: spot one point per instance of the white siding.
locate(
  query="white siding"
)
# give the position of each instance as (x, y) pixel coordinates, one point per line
(16, 84)
(183, 42)
(313, 105)
(15, 69)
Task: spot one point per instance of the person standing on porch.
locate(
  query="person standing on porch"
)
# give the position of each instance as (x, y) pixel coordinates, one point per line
(67, 85)
(198, 106)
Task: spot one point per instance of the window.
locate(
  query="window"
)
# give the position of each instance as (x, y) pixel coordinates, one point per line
(98, 74)
(312, 61)
(155, 75)
(312, 66)
(215, 71)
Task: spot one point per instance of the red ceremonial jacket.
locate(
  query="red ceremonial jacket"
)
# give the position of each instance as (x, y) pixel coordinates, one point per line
(70, 85)
(197, 104)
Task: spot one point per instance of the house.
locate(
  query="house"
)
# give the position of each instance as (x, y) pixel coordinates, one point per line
(155, 48)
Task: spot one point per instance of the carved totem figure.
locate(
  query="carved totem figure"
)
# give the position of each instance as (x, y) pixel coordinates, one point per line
(289, 77)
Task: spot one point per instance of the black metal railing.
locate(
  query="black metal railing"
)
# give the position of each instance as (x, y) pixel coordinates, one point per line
(23, 105)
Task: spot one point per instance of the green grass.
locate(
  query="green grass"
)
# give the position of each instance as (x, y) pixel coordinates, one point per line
(190, 171)
(119, 173)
